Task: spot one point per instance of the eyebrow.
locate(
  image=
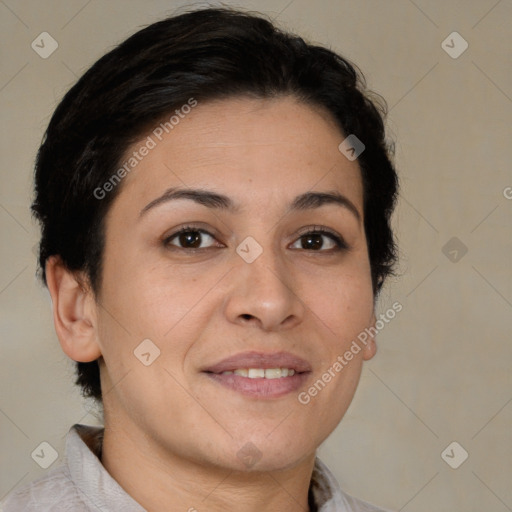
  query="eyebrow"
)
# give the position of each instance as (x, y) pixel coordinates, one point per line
(306, 201)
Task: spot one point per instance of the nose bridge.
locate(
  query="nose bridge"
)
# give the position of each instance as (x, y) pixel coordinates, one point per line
(268, 269)
(264, 290)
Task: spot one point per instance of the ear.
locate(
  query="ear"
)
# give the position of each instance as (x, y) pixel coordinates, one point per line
(370, 347)
(74, 312)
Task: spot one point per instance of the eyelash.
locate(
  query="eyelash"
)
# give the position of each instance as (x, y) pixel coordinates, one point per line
(317, 230)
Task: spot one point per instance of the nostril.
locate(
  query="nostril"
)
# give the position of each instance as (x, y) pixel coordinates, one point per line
(246, 316)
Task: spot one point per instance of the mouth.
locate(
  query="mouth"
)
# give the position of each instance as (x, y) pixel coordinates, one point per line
(260, 375)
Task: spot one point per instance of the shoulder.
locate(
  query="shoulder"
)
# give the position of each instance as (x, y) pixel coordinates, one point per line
(53, 492)
(357, 505)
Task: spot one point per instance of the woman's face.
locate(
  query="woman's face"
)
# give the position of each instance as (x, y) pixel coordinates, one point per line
(245, 279)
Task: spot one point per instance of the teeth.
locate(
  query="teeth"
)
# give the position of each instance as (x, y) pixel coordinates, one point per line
(254, 373)
(258, 373)
(275, 373)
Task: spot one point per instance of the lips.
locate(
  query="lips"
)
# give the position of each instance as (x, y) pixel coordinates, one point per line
(260, 360)
(230, 374)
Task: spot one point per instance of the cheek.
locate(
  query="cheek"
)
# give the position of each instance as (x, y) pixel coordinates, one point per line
(155, 302)
(343, 302)
(342, 310)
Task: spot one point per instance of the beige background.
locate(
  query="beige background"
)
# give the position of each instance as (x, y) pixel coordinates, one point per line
(442, 373)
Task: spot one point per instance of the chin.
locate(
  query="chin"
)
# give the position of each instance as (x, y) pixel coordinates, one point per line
(270, 452)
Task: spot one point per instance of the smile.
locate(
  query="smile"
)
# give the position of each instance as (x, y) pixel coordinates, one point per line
(255, 373)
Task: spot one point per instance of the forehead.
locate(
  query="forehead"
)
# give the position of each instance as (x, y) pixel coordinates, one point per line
(259, 150)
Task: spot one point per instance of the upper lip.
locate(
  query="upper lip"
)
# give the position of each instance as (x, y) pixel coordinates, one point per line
(260, 360)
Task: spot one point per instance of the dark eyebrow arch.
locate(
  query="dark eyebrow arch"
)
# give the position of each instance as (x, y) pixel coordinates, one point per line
(204, 197)
(306, 201)
(311, 200)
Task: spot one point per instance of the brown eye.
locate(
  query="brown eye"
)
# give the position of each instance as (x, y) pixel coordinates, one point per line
(315, 240)
(189, 238)
(312, 241)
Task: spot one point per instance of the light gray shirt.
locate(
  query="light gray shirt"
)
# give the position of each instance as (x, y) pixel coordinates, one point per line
(82, 484)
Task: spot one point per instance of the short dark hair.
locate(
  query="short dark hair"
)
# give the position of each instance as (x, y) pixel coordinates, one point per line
(206, 54)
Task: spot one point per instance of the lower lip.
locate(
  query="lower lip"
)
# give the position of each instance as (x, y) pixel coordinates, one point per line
(261, 387)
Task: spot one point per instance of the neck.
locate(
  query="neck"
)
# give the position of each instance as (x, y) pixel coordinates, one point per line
(158, 479)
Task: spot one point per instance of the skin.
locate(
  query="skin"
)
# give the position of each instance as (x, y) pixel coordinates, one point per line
(171, 434)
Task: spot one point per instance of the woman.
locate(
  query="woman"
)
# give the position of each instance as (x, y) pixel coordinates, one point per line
(215, 198)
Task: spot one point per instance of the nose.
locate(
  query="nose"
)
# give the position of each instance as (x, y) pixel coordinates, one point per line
(264, 293)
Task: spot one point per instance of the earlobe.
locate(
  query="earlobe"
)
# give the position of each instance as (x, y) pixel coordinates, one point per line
(73, 312)
(370, 347)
